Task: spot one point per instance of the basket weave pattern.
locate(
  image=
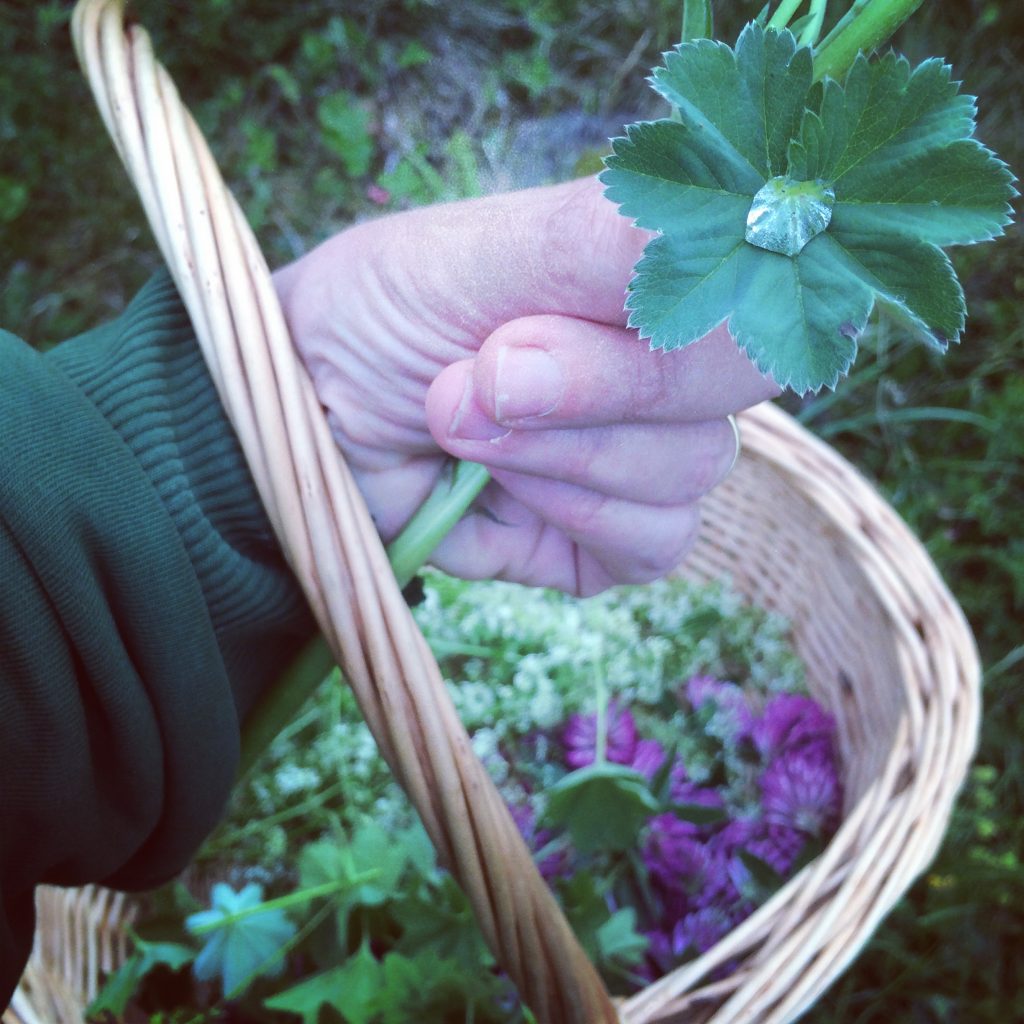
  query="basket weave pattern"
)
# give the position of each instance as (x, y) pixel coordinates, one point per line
(795, 528)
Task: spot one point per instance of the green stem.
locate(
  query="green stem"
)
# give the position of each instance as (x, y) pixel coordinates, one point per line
(280, 703)
(292, 899)
(784, 13)
(697, 20)
(863, 28)
(601, 719)
(816, 18)
(457, 489)
(454, 492)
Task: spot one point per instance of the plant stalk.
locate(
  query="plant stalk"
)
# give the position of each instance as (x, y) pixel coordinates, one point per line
(784, 13)
(816, 18)
(864, 27)
(697, 20)
(455, 491)
(291, 899)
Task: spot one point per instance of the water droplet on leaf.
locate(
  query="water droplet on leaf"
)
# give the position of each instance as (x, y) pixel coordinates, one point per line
(785, 215)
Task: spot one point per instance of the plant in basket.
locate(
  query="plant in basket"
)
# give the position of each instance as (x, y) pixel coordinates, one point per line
(662, 804)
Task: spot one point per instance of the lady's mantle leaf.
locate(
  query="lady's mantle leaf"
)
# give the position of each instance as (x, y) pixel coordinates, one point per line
(894, 147)
(240, 944)
(351, 989)
(601, 806)
(122, 986)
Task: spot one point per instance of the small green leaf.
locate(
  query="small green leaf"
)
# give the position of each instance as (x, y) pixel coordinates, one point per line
(413, 55)
(345, 129)
(440, 919)
(286, 82)
(121, 987)
(618, 939)
(13, 199)
(700, 814)
(583, 896)
(602, 806)
(368, 867)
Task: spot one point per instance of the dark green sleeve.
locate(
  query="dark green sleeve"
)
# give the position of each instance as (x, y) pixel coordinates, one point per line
(143, 606)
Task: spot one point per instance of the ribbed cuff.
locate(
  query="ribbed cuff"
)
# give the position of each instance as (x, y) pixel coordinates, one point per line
(146, 376)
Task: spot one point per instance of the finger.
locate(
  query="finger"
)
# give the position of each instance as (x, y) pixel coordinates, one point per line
(506, 538)
(662, 464)
(543, 371)
(550, 372)
(632, 541)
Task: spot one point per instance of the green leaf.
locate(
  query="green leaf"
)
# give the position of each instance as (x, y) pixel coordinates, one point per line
(601, 806)
(369, 866)
(618, 939)
(882, 113)
(121, 986)
(915, 279)
(739, 189)
(440, 919)
(414, 54)
(895, 145)
(750, 102)
(13, 199)
(668, 177)
(240, 944)
(583, 897)
(345, 129)
(351, 989)
(700, 814)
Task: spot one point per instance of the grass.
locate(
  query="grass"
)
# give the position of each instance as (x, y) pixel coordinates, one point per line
(319, 119)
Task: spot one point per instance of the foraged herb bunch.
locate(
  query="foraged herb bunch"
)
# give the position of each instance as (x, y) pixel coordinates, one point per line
(662, 801)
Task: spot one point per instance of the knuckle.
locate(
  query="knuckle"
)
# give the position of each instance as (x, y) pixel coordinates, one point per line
(574, 229)
(584, 515)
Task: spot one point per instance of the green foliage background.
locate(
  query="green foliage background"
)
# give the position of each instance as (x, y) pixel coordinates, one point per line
(314, 108)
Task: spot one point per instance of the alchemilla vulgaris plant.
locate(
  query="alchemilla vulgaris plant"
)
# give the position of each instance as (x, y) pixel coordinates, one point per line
(787, 207)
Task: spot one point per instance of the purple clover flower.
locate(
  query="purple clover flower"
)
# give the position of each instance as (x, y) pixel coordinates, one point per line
(777, 845)
(673, 854)
(800, 791)
(658, 959)
(792, 721)
(580, 737)
(700, 930)
(648, 757)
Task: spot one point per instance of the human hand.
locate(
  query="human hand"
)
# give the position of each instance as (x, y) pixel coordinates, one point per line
(493, 330)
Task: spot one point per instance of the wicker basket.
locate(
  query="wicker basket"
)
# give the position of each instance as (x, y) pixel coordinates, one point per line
(795, 528)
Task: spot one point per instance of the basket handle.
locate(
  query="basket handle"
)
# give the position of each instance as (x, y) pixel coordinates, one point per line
(321, 521)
